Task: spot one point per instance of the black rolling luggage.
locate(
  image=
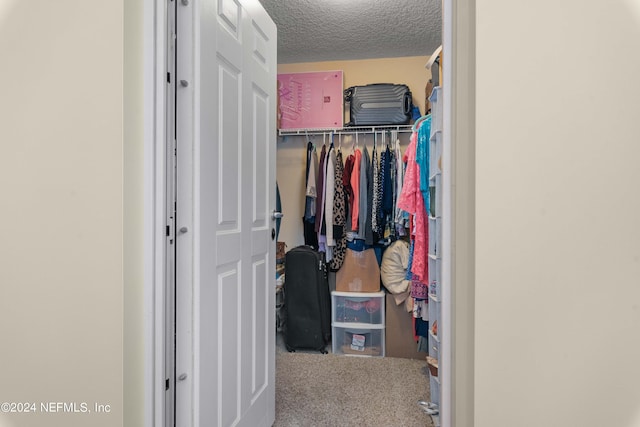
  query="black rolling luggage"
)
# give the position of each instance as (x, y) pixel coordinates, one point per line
(378, 104)
(307, 300)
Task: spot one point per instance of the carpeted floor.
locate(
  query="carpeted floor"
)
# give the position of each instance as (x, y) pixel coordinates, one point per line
(314, 389)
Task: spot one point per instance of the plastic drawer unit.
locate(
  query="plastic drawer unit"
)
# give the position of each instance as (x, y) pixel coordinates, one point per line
(357, 320)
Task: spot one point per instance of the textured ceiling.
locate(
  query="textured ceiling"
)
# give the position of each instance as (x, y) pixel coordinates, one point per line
(325, 30)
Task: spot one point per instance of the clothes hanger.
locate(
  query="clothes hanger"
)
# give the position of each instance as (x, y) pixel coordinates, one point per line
(414, 128)
(311, 140)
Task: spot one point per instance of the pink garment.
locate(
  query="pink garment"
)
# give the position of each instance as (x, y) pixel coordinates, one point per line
(355, 186)
(411, 201)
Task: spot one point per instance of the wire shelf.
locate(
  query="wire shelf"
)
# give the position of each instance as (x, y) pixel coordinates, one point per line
(351, 130)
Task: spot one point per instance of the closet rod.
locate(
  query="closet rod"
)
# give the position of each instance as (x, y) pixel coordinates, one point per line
(346, 131)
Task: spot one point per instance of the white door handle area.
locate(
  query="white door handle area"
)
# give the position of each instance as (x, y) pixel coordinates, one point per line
(276, 215)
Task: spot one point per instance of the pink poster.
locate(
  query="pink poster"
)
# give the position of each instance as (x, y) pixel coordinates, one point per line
(310, 100)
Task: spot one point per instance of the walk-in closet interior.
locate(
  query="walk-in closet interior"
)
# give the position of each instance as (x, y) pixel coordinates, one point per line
(362, 190)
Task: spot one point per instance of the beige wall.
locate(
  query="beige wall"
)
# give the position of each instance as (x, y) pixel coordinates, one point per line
(557, 214)
(62, 186)
(292, 150)
(133, 211)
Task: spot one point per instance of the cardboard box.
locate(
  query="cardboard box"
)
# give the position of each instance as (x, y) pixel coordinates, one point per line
(399, 332)
(359, 273)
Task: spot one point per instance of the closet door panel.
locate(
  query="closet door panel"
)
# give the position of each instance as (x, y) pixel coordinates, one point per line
(227, 301)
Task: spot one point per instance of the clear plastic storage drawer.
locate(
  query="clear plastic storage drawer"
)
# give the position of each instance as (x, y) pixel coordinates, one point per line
(358, 307)
(358, 342)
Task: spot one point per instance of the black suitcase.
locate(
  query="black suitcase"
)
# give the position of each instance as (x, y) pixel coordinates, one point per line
(307, 300)
(378, 104)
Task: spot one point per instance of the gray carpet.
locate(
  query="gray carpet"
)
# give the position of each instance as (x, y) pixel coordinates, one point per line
(313, 389)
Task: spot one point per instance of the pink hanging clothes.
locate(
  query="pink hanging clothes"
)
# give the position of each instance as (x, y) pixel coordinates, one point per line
(411, 201)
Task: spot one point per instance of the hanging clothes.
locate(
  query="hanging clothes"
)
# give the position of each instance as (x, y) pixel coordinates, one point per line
(354, 203)
(364, 220)
(346, 182)
(309, 218)
(330, 189)
(401, 217)
(368, 230)
(320, 189)
(353, 196)
(379, 194)
(419, 289)
(339, 216)
(384, 191)
(390, 217)
(322, 233)
(409, 274)
(311, 191)
(422, 157)
(375, 205)
(387, 188)
(411, 201)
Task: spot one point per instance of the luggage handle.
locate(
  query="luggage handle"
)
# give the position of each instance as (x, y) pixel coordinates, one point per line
(348, 92)
(407, 103)
(348, 96)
